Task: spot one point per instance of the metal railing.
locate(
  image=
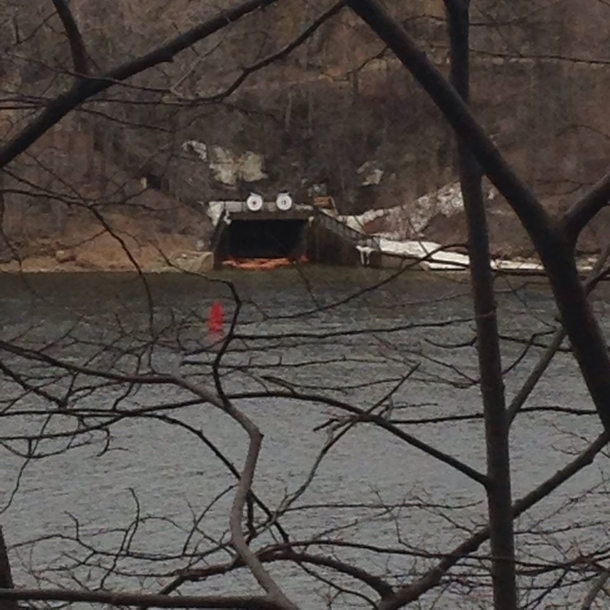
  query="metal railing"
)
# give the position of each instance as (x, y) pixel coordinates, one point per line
(348, 233)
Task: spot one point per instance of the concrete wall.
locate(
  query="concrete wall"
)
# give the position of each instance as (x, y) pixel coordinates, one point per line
(324, 246)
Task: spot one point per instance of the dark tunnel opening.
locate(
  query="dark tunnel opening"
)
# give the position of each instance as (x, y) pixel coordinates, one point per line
(265, 238)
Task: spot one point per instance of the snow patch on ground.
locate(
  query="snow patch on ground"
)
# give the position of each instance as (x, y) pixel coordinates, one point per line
(434, 258)
(432, 251)
(446, 201)
(227, 166)
(215, 209)
(396, 223)
(412, 218)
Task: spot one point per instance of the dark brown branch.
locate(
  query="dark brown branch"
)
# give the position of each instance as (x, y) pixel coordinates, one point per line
(75, 38)
(595, 590)
(244, 488)
(135, 599)
(578, 216)
(86, 88)
(379, 420)
(433, 577)
(286, 552)
(6, 578)
(554, 346)
(376, 583)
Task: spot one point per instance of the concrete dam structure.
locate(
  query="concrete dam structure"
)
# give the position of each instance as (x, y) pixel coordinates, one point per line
(276, 230)
(256, 229)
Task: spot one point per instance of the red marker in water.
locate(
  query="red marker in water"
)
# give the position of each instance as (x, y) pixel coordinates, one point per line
(216, 319)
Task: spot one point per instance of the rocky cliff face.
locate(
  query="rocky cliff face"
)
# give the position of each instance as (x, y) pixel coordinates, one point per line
(339, 114)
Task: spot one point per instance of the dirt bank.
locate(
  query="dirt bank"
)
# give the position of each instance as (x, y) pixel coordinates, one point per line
(119, 242)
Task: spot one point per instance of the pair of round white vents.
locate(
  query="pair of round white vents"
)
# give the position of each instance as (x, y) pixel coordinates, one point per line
(283, 202)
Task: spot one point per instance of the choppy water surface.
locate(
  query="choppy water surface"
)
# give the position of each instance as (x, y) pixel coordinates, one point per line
(405, 347)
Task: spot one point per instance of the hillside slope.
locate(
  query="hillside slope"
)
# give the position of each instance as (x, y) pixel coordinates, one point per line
(338, 114)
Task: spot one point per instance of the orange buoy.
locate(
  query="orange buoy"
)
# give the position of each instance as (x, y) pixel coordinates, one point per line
(216, 318)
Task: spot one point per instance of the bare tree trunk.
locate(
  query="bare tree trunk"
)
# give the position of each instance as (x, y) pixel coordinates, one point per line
(6, 578)
(490, 364)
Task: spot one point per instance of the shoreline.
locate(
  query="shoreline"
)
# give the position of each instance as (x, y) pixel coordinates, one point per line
(186, 262)
(38, 267)
(180, 256)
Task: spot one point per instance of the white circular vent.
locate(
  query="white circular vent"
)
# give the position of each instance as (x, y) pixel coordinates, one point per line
(283, 202)
(254, 202)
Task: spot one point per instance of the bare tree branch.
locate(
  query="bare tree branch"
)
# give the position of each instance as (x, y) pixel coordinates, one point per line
(379, 420)
(6, 578)
(243, 489)
(578, 216)
(595, 590)
(83, 89)
(502, 537)
(134, 599)
(75, 38)
(536, 373)
(274, 57)
(286, 552)
(551, 244)
(433, 577)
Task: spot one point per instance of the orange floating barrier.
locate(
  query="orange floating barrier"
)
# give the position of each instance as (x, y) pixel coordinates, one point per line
(262, 264)
(216, 319)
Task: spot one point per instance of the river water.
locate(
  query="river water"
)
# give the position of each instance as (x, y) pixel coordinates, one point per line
(405, 346)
